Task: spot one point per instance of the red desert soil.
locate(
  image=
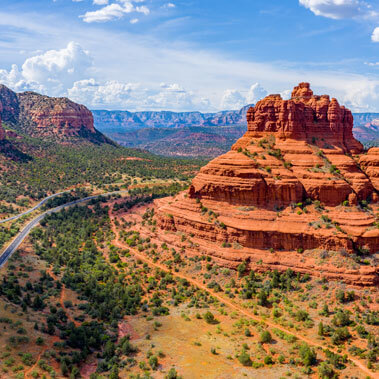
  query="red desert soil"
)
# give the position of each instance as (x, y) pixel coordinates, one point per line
(48, 346)
(135, 159)
(275, 200)
(118, 243)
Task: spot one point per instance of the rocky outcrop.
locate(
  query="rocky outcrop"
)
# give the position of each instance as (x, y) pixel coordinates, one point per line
(54, 116)
(304, 117)
(10, 108)
(293, 150)
(43, 116)
(2, 131)
(296, 181)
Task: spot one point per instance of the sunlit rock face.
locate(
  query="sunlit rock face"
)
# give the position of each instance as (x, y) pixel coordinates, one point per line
(44, 116)
(297, 151)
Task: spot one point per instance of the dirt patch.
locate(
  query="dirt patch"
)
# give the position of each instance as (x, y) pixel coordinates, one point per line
(126, 329)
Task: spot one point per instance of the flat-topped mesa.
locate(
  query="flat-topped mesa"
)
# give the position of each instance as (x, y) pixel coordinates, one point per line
(304, 117)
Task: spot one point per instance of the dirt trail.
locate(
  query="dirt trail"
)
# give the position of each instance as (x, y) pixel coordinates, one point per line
(47, 347)
(62, 298)
(231, 304)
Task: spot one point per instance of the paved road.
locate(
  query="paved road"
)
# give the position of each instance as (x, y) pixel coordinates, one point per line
(39, 205)
(24, 232)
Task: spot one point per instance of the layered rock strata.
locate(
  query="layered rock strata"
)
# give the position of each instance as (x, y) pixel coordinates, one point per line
(43, 116)
(297, 181)
(50, 115)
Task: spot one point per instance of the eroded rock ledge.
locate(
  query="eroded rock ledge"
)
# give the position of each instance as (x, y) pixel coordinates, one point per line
(43, 116)
(296, 185)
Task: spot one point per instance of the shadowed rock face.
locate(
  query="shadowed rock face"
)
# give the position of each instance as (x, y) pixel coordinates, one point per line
(295, 151)
(2, 131)
(43, 116)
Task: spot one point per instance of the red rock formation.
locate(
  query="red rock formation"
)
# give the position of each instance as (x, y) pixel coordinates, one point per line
(43, 116)
(304, 117)
(295, 152)
(57, 116)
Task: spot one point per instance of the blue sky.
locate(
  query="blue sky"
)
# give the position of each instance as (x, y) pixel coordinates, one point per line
(190, 55)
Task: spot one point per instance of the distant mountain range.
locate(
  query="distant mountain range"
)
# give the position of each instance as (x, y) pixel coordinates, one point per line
(196, 133)
(116, 121)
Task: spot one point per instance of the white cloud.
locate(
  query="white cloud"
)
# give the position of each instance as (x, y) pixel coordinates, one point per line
(110, 12)
(100, 2)
(375, 35)
(113, 11)
(232, 99)
(134, 20)
(337, 9)
(51, 72)
(256, 92)
(204, 74)
(363, 96)
(143, 9)
(169, 5)
(134, 96)
(286, 94)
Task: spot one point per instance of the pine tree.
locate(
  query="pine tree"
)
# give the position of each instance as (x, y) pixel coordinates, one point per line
(320, 329)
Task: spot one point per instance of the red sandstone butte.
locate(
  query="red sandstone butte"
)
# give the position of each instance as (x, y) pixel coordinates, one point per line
(43, 116)
(290, 194)
(59, 116)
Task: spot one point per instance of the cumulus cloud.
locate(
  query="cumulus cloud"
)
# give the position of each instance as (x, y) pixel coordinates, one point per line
(338, 9)
(50, 72)
(69, 72)
(256, 92)
(362, 96)
(286, 94)
(134, 96)
(234, 99)
(113, 11)
(375, 35)
(100, 2)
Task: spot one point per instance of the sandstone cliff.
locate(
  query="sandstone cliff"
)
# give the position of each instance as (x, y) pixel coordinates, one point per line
(43, 116)
(296, 181)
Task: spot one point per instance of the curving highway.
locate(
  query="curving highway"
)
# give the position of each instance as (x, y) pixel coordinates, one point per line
(26, 230)
(39, 205)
